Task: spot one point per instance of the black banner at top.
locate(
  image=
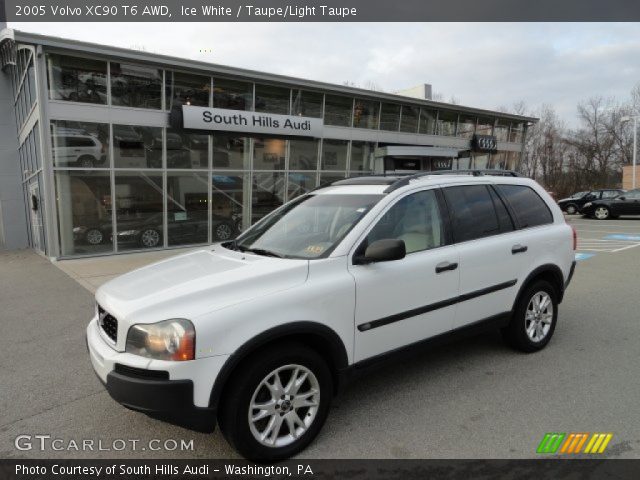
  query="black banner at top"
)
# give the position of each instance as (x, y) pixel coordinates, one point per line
(321, 10)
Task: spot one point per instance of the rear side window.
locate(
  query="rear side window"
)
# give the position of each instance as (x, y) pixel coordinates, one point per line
(473, 214)
(529, 208)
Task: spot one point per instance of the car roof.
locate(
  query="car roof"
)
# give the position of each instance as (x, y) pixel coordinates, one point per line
(380, 184)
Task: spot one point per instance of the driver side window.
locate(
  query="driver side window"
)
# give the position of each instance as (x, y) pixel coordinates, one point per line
(415, 219)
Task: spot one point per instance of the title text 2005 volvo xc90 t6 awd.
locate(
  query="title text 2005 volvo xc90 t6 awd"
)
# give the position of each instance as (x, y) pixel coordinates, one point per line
(260, 333)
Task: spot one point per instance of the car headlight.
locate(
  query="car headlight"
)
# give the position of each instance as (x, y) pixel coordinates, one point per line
(588, 204)
(173, 339)
(128, 232)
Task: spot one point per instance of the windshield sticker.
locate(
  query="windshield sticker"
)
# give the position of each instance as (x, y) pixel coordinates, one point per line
(315, 249)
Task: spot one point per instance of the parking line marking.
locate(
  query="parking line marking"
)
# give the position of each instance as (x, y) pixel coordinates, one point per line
(626, 248)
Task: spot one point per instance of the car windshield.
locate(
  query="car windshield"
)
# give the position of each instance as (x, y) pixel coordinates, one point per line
(308, 227)
(578, 195)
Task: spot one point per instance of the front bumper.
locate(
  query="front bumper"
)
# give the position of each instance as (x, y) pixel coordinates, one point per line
(154, 386)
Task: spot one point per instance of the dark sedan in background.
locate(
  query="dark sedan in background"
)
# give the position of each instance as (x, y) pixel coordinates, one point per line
(627, 203)
(575, 202)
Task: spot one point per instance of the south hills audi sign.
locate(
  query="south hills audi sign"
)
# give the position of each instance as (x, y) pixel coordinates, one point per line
(203, 118)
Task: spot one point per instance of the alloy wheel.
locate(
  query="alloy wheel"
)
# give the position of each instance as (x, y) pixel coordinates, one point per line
(284, 405)
(94, 237)
(223, 232)
(601, 213)
(538, 316)
(571, 209)
(150, 238)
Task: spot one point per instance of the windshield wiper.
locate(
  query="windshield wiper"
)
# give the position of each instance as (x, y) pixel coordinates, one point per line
(260, 251)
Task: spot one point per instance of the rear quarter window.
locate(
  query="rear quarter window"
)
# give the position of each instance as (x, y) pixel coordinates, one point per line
(529, 208)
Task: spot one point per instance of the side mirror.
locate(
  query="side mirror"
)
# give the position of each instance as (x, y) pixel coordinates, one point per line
(384, 250)
(622, 198)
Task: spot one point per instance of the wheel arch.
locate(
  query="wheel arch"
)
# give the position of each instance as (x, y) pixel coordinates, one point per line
(550, 272)
(315, 335)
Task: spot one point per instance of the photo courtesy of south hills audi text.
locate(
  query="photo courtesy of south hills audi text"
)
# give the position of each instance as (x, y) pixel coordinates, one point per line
(318, 238)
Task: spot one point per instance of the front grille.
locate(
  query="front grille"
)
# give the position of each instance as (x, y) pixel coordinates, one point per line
(108, 323)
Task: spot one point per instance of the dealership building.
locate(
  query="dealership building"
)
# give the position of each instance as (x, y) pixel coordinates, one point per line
(106, 150)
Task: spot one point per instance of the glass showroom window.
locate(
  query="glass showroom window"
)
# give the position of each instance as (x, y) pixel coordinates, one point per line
(228, 191)
(517, 132)
(136, 86)
(390, 117)
(187, 208)
(267, 194)
(427, 121)
(338, 110)
(446, 123)
(329, 178)
(481, 161)
(84, 211)
(77, 79)
(270, 99)
(334, 154)
(232, 94)
(303, 154)
(464, 161)
(365, 114)
(269, 154)
(231, 151)
(485, 126)
(362, 155)
(80, 144)
(501, 131)
(187, 89)
(187, 150)
(138, 207)
(498, 160)
(137, 147)
(513, 160)
(409, 121)
(299, 183)
(466, 126)
(307, 104)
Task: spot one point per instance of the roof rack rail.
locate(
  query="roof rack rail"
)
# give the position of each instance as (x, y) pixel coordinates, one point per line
(402, 182)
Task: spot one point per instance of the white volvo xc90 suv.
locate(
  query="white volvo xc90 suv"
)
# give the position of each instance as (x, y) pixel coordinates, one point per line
(260, 333)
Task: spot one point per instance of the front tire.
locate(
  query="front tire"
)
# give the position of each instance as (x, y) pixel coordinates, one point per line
(571, 209)
(534, 318)
(277, 403)
(601, 213)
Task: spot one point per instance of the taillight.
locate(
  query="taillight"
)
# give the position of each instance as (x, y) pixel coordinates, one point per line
(575, 237)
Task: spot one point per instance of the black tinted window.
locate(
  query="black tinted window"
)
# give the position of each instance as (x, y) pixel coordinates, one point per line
(529, 208)
(472, 212)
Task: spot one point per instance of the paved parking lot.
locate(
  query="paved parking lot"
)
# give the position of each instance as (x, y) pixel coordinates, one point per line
(606, 236)
(465, 400)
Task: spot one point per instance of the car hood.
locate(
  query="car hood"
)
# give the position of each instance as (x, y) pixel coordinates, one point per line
(193, 284)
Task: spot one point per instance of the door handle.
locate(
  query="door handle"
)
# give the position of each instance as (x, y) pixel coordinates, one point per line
(517, 248)
(444, 266)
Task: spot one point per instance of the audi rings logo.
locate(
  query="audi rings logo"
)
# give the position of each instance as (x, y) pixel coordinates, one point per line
(484, 143)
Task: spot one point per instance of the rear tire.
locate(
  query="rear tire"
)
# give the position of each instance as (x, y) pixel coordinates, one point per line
(292, 416)
(534, 318)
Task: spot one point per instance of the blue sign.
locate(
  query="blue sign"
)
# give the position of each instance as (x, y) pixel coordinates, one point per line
(620, 236)
(584, 256)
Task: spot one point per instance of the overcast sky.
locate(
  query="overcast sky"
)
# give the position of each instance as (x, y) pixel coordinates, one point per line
(482, 65)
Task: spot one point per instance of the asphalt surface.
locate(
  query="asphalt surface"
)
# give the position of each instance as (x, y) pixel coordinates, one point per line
(472, 399)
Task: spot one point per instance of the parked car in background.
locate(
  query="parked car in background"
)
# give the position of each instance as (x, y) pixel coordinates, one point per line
(574, 203)
(78, 150)
(628, 203)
